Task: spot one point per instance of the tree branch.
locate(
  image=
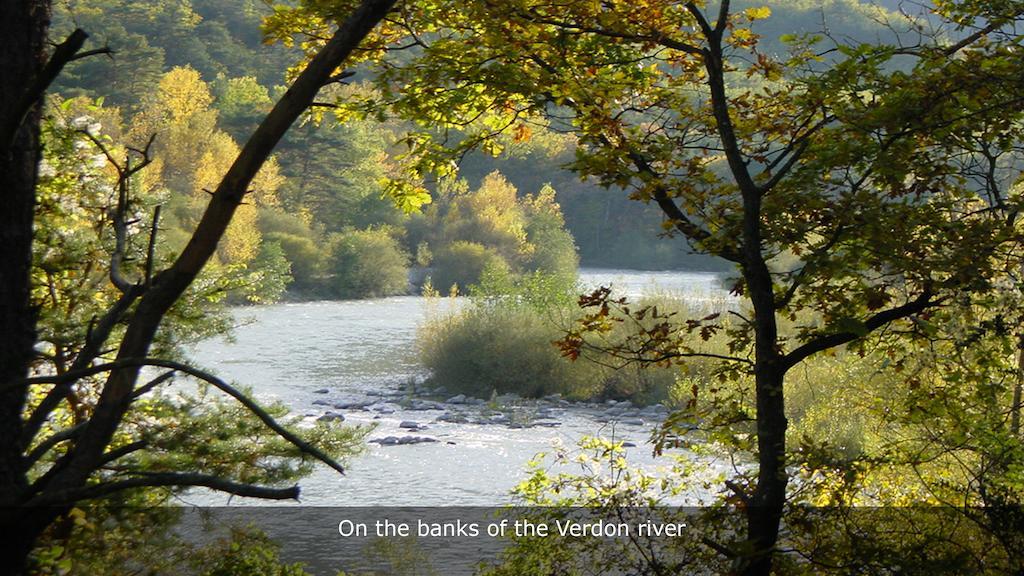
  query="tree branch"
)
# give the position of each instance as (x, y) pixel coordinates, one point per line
(669, 207)
(216, 382)
(148, 386)
(826, 341)
(79, 368)
(809, 263)
(37, 86)
(123, 451)
(702, 21)
(81, 55)
(165, 479)
(151, 248)
(51, 441)
(723, 18)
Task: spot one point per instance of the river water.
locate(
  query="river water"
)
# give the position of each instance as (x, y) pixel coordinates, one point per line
(364, 351)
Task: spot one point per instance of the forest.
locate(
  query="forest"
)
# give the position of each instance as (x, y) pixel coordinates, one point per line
(430, 209)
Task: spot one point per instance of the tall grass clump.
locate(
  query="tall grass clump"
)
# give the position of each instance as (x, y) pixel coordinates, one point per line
(503, 342)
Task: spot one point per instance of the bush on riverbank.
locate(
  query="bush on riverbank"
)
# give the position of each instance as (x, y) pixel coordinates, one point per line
(461, 265)
(503, 342)
(366, 264)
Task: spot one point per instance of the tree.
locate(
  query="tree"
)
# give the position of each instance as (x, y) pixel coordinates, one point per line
(31, 503)
(367, 264)
(335, 172)
(854, 166)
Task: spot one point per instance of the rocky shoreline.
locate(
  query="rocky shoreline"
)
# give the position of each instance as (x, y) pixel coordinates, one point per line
(507, 410)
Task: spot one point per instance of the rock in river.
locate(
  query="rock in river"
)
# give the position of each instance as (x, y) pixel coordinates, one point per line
(402, 440)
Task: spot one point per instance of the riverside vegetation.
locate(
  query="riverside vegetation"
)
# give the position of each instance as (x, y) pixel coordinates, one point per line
(860, 177)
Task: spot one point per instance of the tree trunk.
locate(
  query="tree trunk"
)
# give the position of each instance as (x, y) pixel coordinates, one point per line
(764, 509)
(23, 29)
(764, 506)
(764, 512)
(1018, 389)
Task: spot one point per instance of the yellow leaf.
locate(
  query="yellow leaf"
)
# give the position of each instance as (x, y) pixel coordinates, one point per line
(742, 34)
(758, 13)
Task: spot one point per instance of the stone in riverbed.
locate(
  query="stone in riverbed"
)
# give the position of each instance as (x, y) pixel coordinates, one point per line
(321, 391)
(402, 440)
(459, 399)
(421, 405)
(410, 424)
(452, 418)
(331, 417)
(321, 403)
(352, 404)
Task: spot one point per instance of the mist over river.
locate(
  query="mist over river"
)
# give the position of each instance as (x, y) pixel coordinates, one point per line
(363, 353)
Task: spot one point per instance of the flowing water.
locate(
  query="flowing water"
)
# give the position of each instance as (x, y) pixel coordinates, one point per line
(364, 351)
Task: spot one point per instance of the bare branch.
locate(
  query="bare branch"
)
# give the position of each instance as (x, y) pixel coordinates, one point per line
(702, 21)
(679, 219)
(977, 35)
(125, 172)
(151, 249)
(721, 549)
(37, 86)
(98, 334)
(723, 18)
(123, 451)
(149, 386)
(88, 53)
(339, 78)
(51, 441)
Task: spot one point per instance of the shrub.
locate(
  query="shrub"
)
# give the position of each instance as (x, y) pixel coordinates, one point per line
(495, 348)
(503, 342)
(306, 258)
(300, 245)
(554, 253)
(367, 264)
(553, 247)
(462, 264)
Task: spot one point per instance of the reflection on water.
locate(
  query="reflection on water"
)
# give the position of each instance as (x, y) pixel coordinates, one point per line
(357, 349)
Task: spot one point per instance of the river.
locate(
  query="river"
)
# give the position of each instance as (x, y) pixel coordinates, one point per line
(364, 351)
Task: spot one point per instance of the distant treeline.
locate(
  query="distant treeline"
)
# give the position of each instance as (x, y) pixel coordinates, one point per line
(325, 201)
